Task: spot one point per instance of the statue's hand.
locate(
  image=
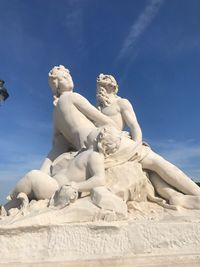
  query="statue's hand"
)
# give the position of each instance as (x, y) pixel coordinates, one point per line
(64, 196)
(72, 192)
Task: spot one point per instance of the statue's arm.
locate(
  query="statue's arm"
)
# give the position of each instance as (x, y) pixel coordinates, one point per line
(130, 119)
(59, 146)
(90, 111)
(97, 173)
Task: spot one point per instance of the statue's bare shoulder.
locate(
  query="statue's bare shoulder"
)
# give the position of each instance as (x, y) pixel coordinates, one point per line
(124, 104)
(96, 157)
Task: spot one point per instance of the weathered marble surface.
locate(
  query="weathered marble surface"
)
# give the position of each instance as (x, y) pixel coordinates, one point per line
(101, 193)
(155, 232)
(99, 141)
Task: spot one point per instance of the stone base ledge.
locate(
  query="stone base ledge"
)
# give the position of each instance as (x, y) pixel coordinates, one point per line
(136, 261)
(105, 243)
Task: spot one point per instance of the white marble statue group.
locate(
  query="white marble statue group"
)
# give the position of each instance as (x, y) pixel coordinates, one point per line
(89, 141)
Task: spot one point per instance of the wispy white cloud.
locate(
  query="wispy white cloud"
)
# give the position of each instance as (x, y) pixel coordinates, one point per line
(74, 22)
(177, 43)
(139, 26)
(74, 17)
(186, 155)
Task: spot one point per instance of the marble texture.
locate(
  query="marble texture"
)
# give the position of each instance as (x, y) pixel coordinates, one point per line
(168, 180)
(150, 235)
(101, 193)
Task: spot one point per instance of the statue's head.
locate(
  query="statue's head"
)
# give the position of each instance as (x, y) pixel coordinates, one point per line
(106, 140)
(60, 80)
(108, 82)
(106, 86)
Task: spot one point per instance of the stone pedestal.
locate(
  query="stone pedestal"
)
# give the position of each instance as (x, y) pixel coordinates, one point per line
(123, 243)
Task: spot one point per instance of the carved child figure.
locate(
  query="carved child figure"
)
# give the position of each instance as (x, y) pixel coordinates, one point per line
(83, 173)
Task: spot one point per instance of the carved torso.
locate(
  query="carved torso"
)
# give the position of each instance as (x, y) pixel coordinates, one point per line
(114, 112)
(70, 122)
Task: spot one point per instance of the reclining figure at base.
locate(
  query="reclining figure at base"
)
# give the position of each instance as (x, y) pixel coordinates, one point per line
(82, 173)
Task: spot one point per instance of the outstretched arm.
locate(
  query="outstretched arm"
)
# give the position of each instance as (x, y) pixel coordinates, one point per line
(97, 173)
(91, 112)
(130, 119)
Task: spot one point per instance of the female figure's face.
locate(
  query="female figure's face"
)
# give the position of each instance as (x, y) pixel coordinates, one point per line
(65, 83)
(110, 88)
(61, 83)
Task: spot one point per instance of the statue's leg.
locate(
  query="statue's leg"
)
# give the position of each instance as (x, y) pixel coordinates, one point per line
(170, 174)
(169, 193)
(36, 184)
(43, 186)
(186, 201)
(161, 187)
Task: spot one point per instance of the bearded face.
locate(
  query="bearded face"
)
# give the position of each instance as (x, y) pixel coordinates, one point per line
(106, 86)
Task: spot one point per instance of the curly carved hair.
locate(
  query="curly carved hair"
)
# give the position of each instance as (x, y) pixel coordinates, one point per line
(56, 73)
(104, 80)
(108, 140)
(53, 73)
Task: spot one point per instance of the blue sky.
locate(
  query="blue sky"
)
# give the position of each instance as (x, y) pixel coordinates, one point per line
(152, 47)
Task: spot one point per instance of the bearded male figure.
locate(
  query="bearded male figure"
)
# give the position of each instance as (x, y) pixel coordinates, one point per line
(165, 176)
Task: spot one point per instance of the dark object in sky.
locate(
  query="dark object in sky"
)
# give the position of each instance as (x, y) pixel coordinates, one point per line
(3, 92)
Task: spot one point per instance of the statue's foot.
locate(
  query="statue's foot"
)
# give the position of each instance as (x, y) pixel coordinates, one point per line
(186, 201)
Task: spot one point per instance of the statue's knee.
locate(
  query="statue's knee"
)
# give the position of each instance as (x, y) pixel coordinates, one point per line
(33, 173)
(149, 161)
